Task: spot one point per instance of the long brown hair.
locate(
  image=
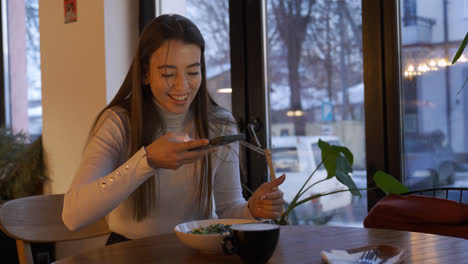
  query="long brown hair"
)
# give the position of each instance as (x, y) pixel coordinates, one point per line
(145, 120)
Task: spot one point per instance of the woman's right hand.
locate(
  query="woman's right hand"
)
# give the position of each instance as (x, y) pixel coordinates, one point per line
(170, 152)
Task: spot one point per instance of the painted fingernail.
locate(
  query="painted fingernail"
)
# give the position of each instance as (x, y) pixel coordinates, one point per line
(263, 197)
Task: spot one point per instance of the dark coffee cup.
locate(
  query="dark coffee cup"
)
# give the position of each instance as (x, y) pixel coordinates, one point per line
(253, 242)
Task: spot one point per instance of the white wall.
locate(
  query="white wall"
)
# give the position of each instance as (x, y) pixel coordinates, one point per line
(83, 64)
(73, 83)
(121, 38)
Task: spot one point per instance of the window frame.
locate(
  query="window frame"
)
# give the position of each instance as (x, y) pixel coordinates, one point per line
(382, 84)
(146, 12)
(249, 94)
(3, 111)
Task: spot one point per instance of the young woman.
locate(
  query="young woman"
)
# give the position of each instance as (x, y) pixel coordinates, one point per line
(137, 168)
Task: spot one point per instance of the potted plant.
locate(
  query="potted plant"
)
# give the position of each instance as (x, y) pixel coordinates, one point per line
(22, 173)
(22, 169)
(338, 161)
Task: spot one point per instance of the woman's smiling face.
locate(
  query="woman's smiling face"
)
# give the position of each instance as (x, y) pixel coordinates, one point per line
(175, 75)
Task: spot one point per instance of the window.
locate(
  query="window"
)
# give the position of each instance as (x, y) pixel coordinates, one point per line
(285, 159)
(366, 119)
(409, 12)
(22, 75)
(465, 9)
(315, 86)
(435, 115)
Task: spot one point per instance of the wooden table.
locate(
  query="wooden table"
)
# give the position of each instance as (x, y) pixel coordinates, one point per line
(298, 244)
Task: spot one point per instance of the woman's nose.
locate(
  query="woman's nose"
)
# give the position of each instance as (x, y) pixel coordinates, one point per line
(181, 83)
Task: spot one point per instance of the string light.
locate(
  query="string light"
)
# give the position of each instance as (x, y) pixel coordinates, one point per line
(431, 65)
(462, 58)
(423, 68)
(442, 63)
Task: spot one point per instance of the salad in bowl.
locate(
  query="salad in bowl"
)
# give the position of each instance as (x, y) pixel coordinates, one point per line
(207, 235)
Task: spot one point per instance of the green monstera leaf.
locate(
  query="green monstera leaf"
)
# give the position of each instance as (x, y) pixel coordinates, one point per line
(343, 168)
(388, 184)
(460, 49)
(329, 155)
(458, 55)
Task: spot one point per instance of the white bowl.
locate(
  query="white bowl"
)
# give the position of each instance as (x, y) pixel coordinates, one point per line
(205, 243)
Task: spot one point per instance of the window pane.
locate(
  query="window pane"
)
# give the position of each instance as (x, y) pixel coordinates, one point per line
(285, 159)
(316, 91)
(435, 117)
(22, 66)
(212, 18)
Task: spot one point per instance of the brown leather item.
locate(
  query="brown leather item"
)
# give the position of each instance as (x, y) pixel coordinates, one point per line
(420, 214)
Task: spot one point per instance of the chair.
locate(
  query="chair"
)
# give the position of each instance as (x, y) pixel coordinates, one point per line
(439, 211)
(39, 219)
(449, 193)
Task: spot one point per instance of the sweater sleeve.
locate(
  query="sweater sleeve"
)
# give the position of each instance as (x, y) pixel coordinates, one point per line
(227, 188)
(101, 183)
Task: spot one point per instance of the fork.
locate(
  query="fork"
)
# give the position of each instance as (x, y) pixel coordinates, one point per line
(368, 257)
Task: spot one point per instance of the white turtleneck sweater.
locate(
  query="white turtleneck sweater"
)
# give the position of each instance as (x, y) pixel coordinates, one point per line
(106, 178)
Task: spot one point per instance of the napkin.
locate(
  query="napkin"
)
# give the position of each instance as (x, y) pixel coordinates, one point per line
(335, 256)
(340, 257)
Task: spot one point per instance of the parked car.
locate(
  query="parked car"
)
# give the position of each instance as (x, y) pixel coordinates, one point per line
(298, 157)
(428, 162)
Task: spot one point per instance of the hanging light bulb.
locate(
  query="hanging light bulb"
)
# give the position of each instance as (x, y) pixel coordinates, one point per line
(442, 63)
(462, 58)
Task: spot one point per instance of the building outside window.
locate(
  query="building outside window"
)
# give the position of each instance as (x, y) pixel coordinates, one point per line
(435, 114)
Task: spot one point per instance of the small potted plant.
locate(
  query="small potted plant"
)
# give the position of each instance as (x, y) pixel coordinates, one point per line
(338, 161)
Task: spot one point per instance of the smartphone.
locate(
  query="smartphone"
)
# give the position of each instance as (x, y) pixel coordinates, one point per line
(222, 140)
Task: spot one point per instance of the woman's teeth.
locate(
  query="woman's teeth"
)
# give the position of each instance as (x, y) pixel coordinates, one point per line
(178, 97)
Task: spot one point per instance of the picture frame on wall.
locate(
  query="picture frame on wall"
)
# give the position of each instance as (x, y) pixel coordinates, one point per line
(70, 11)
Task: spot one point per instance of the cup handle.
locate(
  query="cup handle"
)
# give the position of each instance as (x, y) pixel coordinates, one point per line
(228, 246)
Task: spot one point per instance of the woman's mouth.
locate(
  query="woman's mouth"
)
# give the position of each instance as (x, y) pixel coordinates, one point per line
(180, 99)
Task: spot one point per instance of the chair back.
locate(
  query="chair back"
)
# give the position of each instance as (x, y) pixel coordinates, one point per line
(441, 211)
(458, 194)
(39, 219)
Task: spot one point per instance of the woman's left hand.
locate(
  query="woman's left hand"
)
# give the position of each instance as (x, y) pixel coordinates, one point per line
(267, 201)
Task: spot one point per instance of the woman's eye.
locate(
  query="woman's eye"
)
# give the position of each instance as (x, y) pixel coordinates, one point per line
(193, 73)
